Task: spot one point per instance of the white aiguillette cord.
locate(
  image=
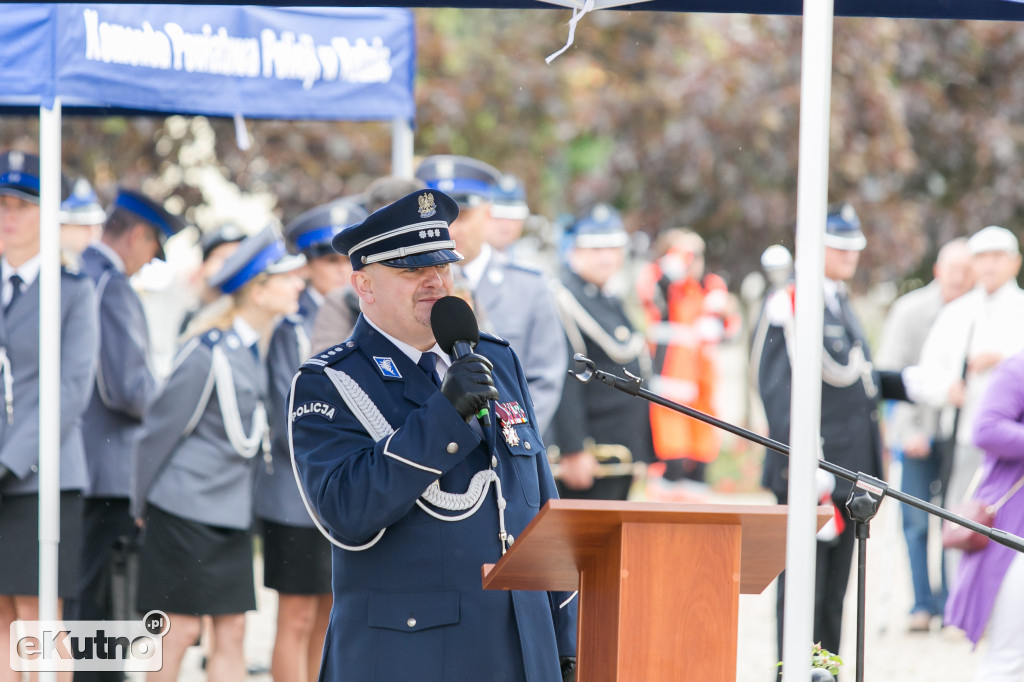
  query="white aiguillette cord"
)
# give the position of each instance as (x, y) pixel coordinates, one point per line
(577, 14)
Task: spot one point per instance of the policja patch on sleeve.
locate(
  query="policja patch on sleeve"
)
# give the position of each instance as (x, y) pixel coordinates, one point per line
(316, 407)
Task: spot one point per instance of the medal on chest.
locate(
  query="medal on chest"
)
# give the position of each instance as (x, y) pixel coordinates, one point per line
(509, 432)
(510, 414)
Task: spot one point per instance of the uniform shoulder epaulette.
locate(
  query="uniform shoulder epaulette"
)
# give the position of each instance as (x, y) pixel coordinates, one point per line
(71, 269)
(780, 306)
(211, 337)
(328, 357)
(493, 337)
(523, 267)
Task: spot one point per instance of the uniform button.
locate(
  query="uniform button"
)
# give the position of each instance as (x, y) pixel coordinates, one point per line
(452, 448)
(494, 461)
(411, 622)
(527, 446)
(350, 344)
(34, 469)
(510, 539)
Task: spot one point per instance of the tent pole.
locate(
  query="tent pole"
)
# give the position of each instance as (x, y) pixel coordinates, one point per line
(805, 400)
(49, 371)
(401, 148)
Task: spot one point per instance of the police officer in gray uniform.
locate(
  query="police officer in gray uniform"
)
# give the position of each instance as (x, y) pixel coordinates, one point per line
(514, 298)
(133, 234)
(296, 558)
(19, 391)
(195, 463)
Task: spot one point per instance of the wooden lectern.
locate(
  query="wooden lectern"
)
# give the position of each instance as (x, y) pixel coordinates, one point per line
(659, 583)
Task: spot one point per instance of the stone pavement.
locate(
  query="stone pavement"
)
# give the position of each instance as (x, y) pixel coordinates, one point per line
(892, 653)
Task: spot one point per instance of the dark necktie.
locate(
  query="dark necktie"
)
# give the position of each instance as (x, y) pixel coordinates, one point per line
(428, 363)
(16, 282)
(846, 316)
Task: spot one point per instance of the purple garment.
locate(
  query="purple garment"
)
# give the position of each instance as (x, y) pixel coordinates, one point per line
(999, 431)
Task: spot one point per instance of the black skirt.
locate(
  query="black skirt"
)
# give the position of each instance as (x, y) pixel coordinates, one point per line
(191, 568)
(19, 544)
(296, 560)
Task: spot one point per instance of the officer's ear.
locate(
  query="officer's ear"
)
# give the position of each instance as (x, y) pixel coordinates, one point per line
(362, 282)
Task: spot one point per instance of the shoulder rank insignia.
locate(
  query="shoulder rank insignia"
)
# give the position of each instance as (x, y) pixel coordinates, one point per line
(387, 367)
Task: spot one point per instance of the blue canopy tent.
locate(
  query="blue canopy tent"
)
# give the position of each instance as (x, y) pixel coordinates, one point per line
(233, 61)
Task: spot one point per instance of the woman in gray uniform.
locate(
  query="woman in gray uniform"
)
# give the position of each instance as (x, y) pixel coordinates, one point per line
(194, 475)
(19, 400)
(296, 558)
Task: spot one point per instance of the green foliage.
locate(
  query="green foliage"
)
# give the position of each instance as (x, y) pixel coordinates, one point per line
(823, 658)
(677, 119)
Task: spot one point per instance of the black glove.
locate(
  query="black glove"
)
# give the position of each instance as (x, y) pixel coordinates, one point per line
(568, 668)
(468, 385)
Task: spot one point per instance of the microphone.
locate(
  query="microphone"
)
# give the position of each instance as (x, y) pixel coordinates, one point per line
(457, 332)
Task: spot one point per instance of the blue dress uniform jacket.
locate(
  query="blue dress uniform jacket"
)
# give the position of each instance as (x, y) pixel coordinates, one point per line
(520, 309)
(19, 337)
(125, 384)
(411, 606)
(186, 462)
(277, 496)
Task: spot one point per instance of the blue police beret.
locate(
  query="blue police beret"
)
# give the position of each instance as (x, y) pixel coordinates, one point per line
(227, 233)
(468, 181)
(410, 233)
(842, 229)
(19, 176)
(600, 228)
(509, 199)
(263, 252)
(164, 223)
(313, 231)
(82, 207)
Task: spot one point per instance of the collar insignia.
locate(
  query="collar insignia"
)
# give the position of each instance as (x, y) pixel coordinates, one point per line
(387, 367)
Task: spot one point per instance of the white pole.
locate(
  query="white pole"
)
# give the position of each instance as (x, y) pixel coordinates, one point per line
(805, 402)
(401, 148)
(49, 365)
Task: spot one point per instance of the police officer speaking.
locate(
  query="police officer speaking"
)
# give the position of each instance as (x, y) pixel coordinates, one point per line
(413, 492)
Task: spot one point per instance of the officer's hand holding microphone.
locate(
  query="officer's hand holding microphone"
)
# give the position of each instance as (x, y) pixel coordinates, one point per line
(468, 385)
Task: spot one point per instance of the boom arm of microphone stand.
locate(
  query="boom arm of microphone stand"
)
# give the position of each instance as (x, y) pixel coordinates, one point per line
(633, 386)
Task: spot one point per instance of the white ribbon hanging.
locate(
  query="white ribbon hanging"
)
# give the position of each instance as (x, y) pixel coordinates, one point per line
(577, 14)
(241, 132)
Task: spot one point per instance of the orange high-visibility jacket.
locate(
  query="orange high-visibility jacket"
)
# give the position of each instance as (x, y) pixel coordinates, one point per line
(686, 319)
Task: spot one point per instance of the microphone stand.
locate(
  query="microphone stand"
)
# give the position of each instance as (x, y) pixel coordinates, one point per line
(862, 503)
